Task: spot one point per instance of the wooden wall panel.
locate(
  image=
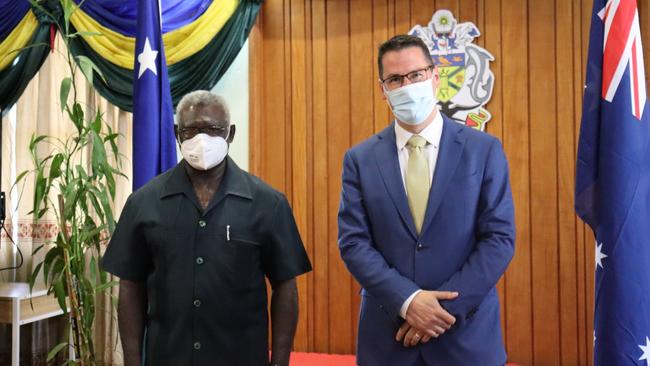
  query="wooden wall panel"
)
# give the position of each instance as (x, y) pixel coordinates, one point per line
(566, 221)
(314, 93)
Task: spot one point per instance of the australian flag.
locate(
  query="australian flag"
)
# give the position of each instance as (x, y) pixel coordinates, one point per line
(613, 183)
(154, 149)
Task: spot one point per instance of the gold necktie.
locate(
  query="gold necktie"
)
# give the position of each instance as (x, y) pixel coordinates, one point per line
(417, 180)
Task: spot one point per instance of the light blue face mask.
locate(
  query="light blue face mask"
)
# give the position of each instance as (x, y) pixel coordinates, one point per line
(412, 103)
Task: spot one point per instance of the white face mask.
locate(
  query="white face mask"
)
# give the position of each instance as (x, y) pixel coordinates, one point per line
(412, 103)
(203, 151)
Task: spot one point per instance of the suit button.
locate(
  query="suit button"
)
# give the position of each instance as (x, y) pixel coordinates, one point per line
(420, 246)
(197, 345)
(197, 303)
(201, 223)
(199, 260)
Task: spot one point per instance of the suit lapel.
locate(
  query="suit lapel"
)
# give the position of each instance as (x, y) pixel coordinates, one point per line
(451, 149)
(388, 163)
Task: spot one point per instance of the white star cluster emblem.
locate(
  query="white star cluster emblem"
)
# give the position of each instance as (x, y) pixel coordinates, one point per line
(147, 59)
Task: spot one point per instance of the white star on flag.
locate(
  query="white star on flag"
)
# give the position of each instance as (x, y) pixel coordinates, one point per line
(646, 351)
(147, 59)
(600, 255)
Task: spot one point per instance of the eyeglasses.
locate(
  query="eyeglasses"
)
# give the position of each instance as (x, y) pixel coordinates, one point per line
(396, 81)
(188, 132)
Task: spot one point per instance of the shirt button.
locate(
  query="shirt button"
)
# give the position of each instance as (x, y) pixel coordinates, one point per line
(197, 345)
(199, 260)
(197, 303)
(201, 223)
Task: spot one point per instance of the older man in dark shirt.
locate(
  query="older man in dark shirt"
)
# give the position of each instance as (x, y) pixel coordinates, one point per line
(192, 249)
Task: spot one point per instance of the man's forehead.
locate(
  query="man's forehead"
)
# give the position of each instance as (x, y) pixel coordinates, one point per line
(404, 60)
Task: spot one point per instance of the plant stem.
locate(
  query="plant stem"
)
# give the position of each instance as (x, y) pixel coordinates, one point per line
(74, 304)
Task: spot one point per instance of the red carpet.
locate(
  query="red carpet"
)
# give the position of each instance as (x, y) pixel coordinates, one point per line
(318, 359)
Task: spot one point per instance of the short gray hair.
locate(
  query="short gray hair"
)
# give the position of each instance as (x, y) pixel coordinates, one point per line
(201, 97)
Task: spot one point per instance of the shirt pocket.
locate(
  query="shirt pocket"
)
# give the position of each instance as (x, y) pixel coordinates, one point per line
(240, 253)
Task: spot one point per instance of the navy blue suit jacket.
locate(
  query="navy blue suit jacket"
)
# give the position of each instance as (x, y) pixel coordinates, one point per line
(466, 243)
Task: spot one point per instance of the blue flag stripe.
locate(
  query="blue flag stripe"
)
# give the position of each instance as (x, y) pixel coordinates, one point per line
(154, 148)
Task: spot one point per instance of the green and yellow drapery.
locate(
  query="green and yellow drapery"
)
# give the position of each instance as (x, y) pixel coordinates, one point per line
(25, 35)
(204, 38)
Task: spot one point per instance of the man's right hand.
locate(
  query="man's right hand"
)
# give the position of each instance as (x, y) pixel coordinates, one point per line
(425, 312)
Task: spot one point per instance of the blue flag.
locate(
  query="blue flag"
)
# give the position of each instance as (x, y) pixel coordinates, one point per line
(613, 183)
(154, 149)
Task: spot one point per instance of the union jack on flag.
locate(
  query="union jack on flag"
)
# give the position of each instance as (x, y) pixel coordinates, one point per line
(622, 48)
(612, 193)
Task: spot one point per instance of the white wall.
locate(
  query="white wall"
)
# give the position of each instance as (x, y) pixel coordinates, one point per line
(233, 87)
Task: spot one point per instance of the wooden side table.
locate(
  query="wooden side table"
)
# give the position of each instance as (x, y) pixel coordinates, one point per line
(15, 309)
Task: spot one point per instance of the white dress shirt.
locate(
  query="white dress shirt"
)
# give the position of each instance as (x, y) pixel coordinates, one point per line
(431, 134)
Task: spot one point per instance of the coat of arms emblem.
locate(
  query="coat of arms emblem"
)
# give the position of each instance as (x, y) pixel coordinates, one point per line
(466, 82)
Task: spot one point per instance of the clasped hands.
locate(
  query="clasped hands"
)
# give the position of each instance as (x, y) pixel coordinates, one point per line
(426, 318)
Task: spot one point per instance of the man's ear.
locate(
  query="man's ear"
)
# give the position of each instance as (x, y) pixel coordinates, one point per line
(178, 138)
(231, 134)
(381, 89)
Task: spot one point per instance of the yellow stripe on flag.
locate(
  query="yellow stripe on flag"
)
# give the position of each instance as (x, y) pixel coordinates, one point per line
(180, 43)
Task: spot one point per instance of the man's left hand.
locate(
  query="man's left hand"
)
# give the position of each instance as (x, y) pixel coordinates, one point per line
(411, 336)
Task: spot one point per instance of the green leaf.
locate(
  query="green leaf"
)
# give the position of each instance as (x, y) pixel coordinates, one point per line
(19, 178)
(110, 180)
(38, 249)
(85, 34)
(65, 91)
(96, 125)
(32, 277)
(95, 203)
(55, 168)
(68, 9)
(39, 192)
(59, 292)
(103, 198)
(88, 67)
(42, 212)
(90, 234)
(70, 198)
(82, 172)
(103, 276)
(35, 140)
(58, 266)
(78, 116)
(98, 153)
(51, 255)
(93, 271)
(56, 350)
(106, 285)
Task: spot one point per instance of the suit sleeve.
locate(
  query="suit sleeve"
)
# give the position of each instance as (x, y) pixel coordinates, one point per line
(495, 231)
(357, 249)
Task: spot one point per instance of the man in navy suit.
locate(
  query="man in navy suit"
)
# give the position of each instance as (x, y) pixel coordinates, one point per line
(426, 225)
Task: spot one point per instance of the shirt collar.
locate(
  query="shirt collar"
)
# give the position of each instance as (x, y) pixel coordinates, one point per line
(233, 182)
(431, 133)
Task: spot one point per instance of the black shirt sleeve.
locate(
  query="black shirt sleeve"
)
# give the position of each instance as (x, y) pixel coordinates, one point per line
(128, 255)
(283, 256)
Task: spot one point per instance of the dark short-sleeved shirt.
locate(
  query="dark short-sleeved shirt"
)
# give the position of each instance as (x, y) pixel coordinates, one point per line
(205, 269)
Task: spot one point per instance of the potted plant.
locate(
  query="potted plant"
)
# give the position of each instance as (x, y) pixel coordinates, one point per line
(75, 182)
